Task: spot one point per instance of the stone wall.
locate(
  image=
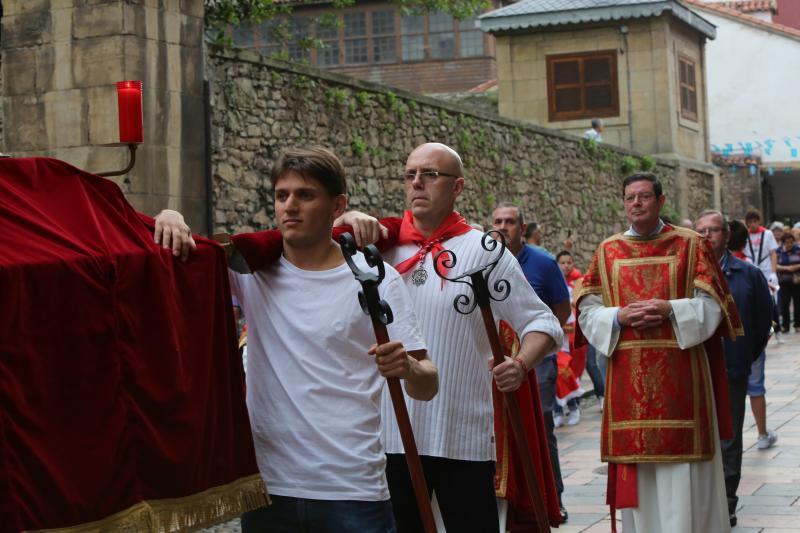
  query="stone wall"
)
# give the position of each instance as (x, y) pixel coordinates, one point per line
(260, 107)
(701, 190)
(741, 188)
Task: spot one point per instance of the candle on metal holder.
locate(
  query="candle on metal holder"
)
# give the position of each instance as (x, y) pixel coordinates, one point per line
(129, 97)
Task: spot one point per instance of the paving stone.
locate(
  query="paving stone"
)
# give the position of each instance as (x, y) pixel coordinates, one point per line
(767, 500)
(782, 510)
(778, 489)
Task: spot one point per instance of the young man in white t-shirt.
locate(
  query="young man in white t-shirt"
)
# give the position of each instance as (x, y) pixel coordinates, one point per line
(762, 250)
(761, 247)
(314, 373)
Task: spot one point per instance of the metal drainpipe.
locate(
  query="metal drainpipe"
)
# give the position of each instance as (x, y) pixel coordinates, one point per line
(624, 31)
(207, 140)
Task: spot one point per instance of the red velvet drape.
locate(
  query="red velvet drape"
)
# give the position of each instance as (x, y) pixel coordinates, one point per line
(120, 382)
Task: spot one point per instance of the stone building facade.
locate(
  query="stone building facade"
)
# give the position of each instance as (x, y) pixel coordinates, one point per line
(639, 67)
(59, 66)
(60, 63)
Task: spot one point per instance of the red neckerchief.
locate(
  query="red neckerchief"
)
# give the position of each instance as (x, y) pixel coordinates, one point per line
(758, 230)
(451, 226)
(740, 255)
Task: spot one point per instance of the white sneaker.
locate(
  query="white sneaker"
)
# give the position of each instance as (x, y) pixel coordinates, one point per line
(767, 441)
(558, 420)
(574, 417)
(601, 400)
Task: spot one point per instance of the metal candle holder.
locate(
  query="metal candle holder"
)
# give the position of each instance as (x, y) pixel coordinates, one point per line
(132, 150)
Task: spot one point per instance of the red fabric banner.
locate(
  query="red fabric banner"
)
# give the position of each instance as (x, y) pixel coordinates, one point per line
(509, 479)
(121, 390)
(261, 249)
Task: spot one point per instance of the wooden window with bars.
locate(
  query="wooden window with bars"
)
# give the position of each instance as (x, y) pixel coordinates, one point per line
(688, 87)
(582, 85)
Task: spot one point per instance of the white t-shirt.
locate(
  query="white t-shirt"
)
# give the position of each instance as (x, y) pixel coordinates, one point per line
(313, 392)
(752, 247)
(459, 422)
(592, 133)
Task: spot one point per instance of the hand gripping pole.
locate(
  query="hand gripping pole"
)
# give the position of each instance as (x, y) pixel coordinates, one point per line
(478, 280)
(381, 315)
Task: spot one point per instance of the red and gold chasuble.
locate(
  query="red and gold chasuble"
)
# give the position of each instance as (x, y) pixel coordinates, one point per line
(658, 396)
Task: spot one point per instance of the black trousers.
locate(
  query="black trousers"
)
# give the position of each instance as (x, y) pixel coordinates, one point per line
(546, 373)
(787, 295)
(464, 490)
(732, 449)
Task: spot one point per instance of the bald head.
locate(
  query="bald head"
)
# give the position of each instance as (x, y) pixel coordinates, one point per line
(448, 158)
(431, 198)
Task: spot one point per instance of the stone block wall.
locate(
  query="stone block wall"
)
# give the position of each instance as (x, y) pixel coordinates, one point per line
(701, 190)
(260, 107)
(741, 189)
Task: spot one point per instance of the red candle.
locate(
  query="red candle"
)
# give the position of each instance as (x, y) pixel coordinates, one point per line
(129, 97)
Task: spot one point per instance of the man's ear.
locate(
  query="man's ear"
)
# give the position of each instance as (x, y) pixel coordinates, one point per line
(661, 201)
(524, 228)
(458, 186)
(339, 205)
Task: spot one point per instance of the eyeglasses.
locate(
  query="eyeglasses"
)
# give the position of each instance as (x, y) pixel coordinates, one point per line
(706, 231)
(426, 176)
(644, 197)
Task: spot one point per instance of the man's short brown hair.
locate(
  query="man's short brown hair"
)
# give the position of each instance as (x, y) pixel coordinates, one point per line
(317, 163)
(752, 214)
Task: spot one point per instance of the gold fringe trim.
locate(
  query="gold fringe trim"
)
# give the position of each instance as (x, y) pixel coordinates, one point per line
(181, 515)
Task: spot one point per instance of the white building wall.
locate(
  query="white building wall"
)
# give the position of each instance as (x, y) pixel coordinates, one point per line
(753, 90)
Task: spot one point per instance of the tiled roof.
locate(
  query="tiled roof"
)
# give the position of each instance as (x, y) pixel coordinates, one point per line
(751, 6)
(555, 6)
(733, 14)
(542, 13)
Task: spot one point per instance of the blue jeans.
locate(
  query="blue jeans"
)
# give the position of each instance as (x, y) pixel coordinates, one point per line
(300, 515)
(574, 403)
(596, 367)
(755, 383)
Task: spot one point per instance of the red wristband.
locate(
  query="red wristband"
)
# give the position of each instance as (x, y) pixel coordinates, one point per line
(519, 360)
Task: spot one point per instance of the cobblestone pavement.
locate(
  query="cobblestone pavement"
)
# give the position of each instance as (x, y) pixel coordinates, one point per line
(770, 488)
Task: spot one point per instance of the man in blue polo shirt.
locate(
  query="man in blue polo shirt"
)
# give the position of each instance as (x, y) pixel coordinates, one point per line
(545, 276)
(754, 302)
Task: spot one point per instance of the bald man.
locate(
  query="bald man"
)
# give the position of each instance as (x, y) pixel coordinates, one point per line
(454, 432)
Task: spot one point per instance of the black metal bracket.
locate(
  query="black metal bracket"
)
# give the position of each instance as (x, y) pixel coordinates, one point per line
(368, 297)
(132, 149)
(478, 277)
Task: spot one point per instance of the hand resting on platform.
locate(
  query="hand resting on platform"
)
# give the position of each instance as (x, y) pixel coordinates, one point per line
(173, 232)
(366, 229)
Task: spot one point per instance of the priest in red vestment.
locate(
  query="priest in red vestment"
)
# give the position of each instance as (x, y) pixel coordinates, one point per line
(655, 303)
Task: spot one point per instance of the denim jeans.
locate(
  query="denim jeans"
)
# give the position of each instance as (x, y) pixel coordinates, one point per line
(573, 404)
(300, 515)
(596, 367)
